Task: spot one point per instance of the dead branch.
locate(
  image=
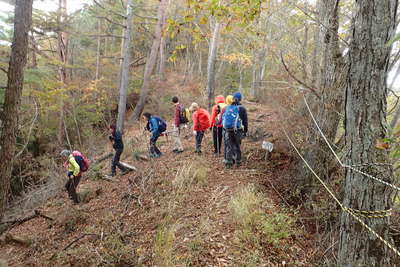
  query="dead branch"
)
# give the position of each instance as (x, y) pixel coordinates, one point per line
(112, 22)
(18, 240)
(109, 10)
(4, 70)
(30, 130)
(103, 158)
(313, 90)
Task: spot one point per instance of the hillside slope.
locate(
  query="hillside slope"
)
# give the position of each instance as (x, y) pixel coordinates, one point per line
(179, 210)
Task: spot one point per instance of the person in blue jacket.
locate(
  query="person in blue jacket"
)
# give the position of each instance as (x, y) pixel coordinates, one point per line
(156, 126)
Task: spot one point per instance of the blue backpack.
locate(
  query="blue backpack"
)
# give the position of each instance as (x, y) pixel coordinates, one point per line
(231, 119)
(162, 125)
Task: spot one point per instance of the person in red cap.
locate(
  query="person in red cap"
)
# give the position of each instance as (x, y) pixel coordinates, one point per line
(201, 122)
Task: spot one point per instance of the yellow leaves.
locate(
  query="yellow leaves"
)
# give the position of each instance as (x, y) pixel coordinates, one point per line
(237, 58)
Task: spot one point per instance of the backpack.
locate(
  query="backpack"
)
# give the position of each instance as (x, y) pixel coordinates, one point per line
(82, 161)
(231, 118)
(183, 114)
(218, 119)
(162, 125)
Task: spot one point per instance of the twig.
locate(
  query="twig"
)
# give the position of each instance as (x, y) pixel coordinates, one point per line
(313, 90)
(4, 70)
(30, 130)
(112, 22)
(109, 10)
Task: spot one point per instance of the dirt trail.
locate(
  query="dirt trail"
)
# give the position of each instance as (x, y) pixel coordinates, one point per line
(179, 210)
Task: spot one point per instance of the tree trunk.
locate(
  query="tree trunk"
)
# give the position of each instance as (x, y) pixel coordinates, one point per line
(124, 71)
(150, 63)
(98, 51)
(212, 55)
(63, 56)
(365, 123)
(161, 70)
(19, 51)
(326, 109)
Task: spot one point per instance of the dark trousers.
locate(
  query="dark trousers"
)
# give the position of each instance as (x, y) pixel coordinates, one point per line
(115, 161)
(233, 140)
(153, 147)
(217, 139)
(199, 139)
(71, 186)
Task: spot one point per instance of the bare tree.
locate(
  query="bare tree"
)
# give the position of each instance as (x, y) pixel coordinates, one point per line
(151, 61)
(15, 74)
(212, 56)
(124, 71)
(63, 39)
(365, 105)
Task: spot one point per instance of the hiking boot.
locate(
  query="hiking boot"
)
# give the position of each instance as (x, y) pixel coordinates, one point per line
(112, 174)
(175, 150)
(228, 165)
(238, 164)
(198, 151)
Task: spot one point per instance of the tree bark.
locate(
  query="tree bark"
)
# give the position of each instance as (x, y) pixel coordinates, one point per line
(19, 51)
(161, 70)
(63, 57)
(365, 124)
(212, 55)
(327, 109)
(151, 62)
(124, 71)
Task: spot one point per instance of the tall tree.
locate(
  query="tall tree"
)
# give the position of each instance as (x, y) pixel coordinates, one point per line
(15, 75)
(328, 107)
(365, 122)
(124, 71)
(151, 61)
(212, 56)
(62, 42)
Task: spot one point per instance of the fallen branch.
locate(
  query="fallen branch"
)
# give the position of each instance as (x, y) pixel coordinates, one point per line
(71, 243)
(18, 240)
(103, 158)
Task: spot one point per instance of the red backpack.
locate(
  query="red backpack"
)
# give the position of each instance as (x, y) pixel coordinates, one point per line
(82, 160)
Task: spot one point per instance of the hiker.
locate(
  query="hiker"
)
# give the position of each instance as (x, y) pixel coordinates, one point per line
(180, 121)
(201, 122)
(228, 101)
(74, 174)
(216, 123)
(235, 123)
(118, 145)
(156, 126)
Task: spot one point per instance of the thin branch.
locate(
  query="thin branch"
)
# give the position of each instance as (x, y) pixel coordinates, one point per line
(4, 70)
(30, 130)
(112, 22)
(313, 90)
(144, 17)
(109, 10)
(104, 35)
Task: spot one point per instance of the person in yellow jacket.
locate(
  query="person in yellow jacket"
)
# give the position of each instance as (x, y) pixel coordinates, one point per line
(74, 175)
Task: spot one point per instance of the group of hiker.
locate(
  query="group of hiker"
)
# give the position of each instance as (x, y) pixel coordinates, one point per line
(228, 123)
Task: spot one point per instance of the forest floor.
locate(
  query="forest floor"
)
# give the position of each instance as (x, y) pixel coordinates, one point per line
(178, 210)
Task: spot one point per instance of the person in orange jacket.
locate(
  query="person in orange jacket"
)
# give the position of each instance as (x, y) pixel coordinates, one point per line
(201, 122)
(216, 123)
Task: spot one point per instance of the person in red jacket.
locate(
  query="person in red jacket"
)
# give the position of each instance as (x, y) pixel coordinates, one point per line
(201, 122)
(216, 123)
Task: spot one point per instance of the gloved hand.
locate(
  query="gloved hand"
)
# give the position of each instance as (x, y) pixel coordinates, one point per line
(70, 176)
(194, 132)
(110, 137)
